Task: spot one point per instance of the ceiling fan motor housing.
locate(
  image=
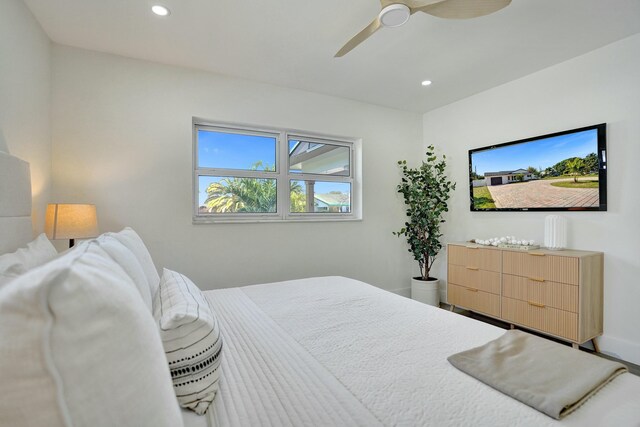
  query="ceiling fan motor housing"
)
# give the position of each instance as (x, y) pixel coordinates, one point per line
(394, 15)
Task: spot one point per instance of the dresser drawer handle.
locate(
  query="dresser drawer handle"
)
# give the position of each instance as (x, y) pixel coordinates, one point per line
(473, 247)
(535, 304)
(536, 279)
(472, 289)
(472, 268)
(536, 254)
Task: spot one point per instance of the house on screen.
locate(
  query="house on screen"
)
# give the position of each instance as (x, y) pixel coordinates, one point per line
(507, 177)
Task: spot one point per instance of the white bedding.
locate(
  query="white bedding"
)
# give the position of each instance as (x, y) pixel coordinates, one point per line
(335, 351)
(269, 379)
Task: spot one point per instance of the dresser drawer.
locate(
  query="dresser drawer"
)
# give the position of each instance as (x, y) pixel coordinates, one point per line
(545, 319)
(550, 294)
(475, 257)
(474, 299)
(537, 265)
(471, 277)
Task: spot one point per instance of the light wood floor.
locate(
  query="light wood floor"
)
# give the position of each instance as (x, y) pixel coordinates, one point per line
(634, 369)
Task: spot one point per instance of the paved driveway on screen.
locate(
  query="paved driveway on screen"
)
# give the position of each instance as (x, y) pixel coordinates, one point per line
(541, 193)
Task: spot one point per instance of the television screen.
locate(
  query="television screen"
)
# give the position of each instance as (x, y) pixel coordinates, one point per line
(556, 172)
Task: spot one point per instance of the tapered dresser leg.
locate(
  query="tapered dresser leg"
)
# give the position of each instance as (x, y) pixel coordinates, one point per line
(512, 326)
(596, 348)
(452, 307)
(576, 346)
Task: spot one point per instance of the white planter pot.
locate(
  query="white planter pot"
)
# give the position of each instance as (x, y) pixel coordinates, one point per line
(426, 291)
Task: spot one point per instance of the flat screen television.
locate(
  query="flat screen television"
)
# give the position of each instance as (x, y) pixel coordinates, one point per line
(563, 171)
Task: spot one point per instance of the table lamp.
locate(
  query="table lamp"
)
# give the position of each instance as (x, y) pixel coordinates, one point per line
(70, 221)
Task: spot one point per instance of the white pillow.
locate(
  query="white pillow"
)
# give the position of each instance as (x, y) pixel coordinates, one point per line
(79, 347)
(191, 339)
(128, 262)
(37, 252)
(134, 243)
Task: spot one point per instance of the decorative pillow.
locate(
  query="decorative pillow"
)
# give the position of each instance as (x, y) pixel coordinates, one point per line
(37, 252)
(191, 339)
(134, 243)
(128, 262)
(79, 347)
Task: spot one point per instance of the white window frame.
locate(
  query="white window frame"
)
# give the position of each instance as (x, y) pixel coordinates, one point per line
(281, 175)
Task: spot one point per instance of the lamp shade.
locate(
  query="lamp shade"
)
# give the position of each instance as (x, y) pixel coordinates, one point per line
(71, 221)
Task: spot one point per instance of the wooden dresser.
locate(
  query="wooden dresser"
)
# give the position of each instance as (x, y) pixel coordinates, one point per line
(558, 293)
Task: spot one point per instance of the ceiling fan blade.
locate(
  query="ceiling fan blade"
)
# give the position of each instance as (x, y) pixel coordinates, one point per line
(411, 4)
(359, 38)
(416, 4)
(464, 9)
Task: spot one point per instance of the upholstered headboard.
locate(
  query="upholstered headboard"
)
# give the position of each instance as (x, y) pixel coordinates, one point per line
(15, 203)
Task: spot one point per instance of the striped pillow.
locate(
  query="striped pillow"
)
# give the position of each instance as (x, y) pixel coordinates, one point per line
(191, 338)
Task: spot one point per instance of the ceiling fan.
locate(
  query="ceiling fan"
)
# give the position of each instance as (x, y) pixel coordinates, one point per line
(396, 12)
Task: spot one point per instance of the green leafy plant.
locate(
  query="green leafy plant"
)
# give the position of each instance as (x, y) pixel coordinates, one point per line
(249, 194)
(426, 190)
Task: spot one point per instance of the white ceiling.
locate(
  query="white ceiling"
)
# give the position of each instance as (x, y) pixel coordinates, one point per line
(292, 42)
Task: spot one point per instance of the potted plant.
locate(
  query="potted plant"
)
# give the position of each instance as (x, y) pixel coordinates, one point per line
(426, 191)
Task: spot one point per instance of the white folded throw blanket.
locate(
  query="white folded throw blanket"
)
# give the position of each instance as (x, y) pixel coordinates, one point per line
(550, 377)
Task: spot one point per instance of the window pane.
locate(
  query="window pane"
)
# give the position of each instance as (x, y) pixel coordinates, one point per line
(234, 195)
(320, 196)
(236, 151)
(312, 157)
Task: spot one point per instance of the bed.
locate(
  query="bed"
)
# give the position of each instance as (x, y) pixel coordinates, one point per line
(334, 351)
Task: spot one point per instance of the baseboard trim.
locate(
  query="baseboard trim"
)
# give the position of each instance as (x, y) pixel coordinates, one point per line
(620, 349)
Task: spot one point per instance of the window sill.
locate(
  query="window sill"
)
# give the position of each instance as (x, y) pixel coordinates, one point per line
(201, 221)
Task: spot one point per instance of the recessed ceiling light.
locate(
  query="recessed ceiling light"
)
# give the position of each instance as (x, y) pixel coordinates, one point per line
(160, 10)
(426, 82)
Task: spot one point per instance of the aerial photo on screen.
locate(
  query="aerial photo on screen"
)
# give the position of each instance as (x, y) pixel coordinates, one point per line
(555, 172)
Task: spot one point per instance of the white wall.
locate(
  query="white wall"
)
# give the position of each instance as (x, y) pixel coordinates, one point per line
(601, 86)
(25, 87)
(122, 139)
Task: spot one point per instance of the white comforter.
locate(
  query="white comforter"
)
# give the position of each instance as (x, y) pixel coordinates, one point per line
(334, 351)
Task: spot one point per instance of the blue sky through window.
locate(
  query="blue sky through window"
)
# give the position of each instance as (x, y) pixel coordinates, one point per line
(328, 187)
(540, 154)
(234, 151)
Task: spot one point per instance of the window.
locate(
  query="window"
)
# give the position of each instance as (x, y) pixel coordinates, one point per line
(257, 174)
